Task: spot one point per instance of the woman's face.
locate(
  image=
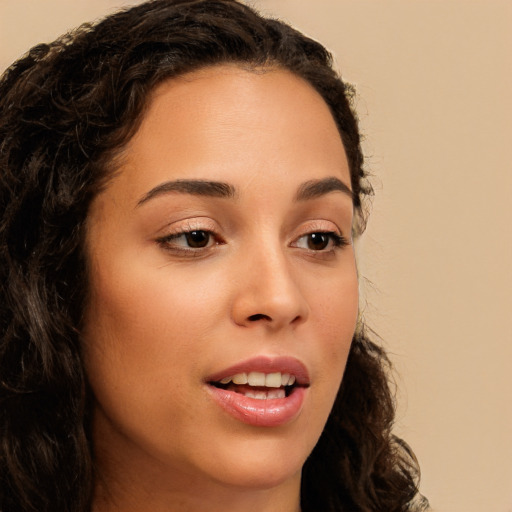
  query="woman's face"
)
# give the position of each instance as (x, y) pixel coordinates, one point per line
(221, 251)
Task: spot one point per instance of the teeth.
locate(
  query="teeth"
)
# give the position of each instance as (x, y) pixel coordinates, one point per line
(259, 379)
(273, 380)
(256, 379)
(239, 378)
(276, 393)
(266, 395)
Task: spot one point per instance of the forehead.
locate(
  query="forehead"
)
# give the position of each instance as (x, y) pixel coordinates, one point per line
(228, 123)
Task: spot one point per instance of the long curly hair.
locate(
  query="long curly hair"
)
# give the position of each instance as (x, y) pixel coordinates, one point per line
(66, 110)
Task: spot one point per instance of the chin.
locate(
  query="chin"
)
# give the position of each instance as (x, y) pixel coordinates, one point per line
(260, 464)
(262, 476)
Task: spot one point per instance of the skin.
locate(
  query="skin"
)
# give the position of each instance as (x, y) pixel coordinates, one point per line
(161, 317)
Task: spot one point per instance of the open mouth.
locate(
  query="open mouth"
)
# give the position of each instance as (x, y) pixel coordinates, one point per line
(262, 391)
(259, 385)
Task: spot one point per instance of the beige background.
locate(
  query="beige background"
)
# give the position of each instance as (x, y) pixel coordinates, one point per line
(435, 85)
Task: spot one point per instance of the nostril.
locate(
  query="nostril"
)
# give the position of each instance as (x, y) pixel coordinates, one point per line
(259, 316)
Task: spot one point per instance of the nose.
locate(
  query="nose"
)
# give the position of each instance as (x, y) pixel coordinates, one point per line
(268, 293)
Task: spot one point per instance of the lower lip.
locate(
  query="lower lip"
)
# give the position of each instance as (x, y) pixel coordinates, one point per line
(272, 412)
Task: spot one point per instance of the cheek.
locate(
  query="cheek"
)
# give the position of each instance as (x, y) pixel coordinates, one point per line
(151, 306)
(335, 308)
(147, 329)
(143, 337)
(334, 314)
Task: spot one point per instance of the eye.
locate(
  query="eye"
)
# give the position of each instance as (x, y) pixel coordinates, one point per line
(320, 241)
(197, 239)
(188, 240)
(317, 241)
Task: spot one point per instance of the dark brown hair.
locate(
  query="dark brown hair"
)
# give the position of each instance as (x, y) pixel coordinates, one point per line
(66, 109)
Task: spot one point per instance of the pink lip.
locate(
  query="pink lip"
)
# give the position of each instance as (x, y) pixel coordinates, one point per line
(266, 364)
(262, 413)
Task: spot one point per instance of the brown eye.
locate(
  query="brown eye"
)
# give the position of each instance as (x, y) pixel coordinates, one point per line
(318, 241)
(192, 242)
(197, 239)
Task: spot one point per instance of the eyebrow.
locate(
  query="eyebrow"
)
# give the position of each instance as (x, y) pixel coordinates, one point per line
(309, 190)
(194, 187)
(317, 188)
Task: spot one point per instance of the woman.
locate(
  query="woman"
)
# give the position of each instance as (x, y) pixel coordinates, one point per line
(181, 185)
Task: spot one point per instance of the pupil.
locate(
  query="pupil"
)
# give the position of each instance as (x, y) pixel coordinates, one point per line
(198, 239)
(318, 241)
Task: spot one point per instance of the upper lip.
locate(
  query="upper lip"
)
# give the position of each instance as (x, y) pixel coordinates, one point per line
(266, 364)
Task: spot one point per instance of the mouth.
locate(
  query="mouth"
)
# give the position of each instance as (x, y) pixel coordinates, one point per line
(259, 385)
(262, 391)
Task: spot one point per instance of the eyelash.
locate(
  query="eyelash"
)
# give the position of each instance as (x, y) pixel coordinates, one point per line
(167, 241)
(335, 242)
